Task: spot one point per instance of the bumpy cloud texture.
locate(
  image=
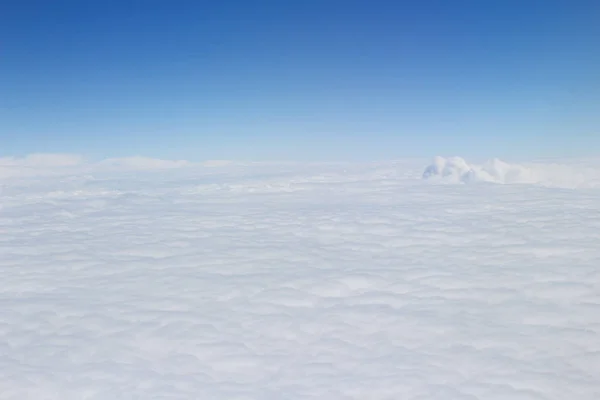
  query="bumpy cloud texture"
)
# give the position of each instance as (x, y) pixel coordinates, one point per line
(273, 281)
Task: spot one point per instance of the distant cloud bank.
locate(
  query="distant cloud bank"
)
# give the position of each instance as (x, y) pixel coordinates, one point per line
(61, 164)
(144, 163)
(42, 160)
(457, 170)
(572, 174)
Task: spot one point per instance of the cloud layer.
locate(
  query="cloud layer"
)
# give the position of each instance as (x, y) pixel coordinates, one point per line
(295, 282)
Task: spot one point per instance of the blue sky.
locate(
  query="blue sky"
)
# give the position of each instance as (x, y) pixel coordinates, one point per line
(326, 80)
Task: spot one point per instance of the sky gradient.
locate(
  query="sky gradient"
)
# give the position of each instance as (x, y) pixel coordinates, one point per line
(301, 80)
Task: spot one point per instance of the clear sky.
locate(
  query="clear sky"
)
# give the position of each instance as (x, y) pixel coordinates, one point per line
(300, 79)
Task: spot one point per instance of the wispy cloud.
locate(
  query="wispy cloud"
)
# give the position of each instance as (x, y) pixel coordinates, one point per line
(139, 162)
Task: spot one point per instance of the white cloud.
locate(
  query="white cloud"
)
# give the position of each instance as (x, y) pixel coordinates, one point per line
(43, 160)
(138, 162)
(456, 169)
(43, 165)
(297, 281)
(37, 165)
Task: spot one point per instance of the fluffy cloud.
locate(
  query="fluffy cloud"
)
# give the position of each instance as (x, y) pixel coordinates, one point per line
(456, 169)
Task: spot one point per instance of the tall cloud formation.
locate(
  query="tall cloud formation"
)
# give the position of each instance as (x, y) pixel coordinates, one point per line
(457, 170)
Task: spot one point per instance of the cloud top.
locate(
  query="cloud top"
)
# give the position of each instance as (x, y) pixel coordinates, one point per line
(457, 170)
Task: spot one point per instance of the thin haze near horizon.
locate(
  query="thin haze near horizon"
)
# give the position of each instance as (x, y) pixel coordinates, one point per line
(326, 80)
